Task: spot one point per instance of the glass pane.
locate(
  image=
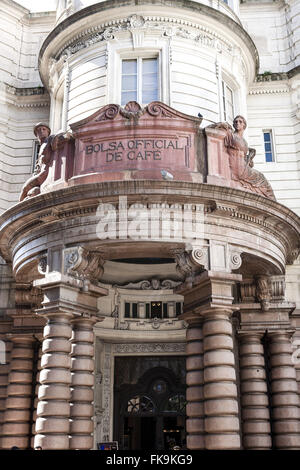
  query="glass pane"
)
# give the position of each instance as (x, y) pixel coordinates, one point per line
(150, 81)
(129, 83)
(268, 147)
(140, 404)
(269, 157)
(150, 65)
(129, 67)
(127, 310)
(267, 136)
(128, 96)
(151, 95)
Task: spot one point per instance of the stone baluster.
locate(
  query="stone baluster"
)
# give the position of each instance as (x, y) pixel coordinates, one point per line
(82, 392)
(194, 392)
(53, 409)
(284, 390)
(222, 428)
(254, 392)
(16, 427)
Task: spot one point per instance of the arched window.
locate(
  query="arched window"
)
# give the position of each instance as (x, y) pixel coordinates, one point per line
(140, 404)
(175, 403)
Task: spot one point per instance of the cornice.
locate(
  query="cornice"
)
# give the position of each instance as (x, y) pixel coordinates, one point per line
(27, 97)
(224, 202)
(268, 91)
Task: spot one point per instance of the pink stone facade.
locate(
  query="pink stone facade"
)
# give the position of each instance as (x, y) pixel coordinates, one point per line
(241, 382)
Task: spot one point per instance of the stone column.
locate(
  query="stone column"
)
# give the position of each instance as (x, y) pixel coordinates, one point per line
(194, 381)
(16, 427)
(220, 390)
(53, 409)
(254, 393)
(82, 392)
(284, 389)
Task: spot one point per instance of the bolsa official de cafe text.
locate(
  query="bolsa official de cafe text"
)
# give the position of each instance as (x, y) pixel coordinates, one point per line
(135, 149)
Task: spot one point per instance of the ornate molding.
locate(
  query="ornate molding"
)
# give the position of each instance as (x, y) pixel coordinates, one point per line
(83, 264)
(27, 295)
(43, 265)
(235, 260)
(152, 284)
(169, 27)
(263, 289)
(134, 348)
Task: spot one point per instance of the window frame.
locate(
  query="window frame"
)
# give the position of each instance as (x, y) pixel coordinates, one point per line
(224, 83)
(139, 57)
(272, 142)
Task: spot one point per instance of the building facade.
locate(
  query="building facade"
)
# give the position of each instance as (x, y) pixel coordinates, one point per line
(149, 260)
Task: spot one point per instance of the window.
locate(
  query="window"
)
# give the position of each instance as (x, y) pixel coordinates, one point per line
(228, 103)
(139, 80)
(268, 146)
(36, 149)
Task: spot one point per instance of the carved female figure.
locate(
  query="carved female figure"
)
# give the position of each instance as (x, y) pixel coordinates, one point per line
(32, 186)
(241, 161)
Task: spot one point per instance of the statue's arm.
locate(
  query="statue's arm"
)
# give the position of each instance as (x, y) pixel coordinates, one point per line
(250, 156)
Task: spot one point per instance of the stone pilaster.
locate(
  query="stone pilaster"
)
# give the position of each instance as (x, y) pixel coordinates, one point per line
(220, 390)
(194, 392)
(284, 389)
(17, 416)
(53, 409)
(82, 391)
(254, 392)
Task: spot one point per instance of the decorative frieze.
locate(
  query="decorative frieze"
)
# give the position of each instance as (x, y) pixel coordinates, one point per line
(152, 284)
(263, 289)
(169, 27)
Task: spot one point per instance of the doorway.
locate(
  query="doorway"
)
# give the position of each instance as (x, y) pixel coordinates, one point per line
(150, 413)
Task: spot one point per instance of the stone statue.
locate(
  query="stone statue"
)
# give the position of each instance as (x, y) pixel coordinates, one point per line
(49, 144)
(32, 185)
(241, 161)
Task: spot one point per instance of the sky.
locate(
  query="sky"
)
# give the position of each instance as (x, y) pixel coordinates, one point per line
(38, 5)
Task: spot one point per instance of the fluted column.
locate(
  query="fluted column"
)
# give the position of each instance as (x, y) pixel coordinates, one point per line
(220, 390)
(53, 409)
(82, 392)
(194, 392)
(284, 389)
(16, 427)
(254, 392)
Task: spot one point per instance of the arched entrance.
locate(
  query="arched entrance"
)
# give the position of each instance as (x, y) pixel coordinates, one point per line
(150, 414)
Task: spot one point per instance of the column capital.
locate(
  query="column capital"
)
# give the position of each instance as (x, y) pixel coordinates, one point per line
(210, 295)
(82, 319)
(275, 335)
(245, 336)
(21, 337)
(67, 297)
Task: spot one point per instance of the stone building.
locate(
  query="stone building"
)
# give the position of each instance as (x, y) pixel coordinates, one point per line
(149, 260)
